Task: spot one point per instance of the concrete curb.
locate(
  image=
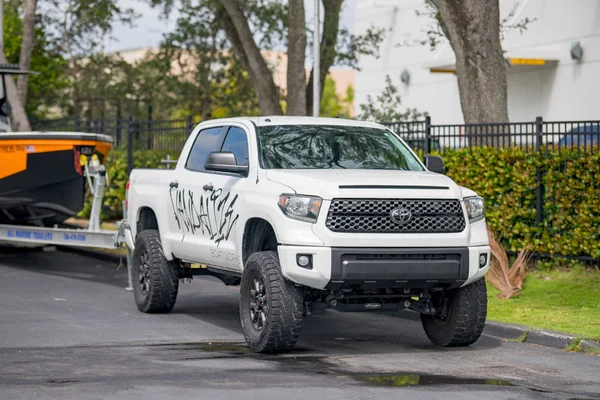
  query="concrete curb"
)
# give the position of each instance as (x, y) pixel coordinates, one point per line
(542, 337)
(520, 333)
(550, 338)
(590, 346)
(504, 331)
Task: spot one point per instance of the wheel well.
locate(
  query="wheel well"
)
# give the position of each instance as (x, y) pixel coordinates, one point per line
(259, 235)
(146, 220)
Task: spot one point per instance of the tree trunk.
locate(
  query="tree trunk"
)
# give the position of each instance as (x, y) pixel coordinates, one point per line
(331, 22)
(20, 122)
(239, 34)
(473, 29)
(29, 7)
(296, 74)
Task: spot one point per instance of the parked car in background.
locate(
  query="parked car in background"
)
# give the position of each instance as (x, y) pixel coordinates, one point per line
(586, 135)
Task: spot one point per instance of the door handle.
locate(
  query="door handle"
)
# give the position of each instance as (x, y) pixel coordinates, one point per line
(208, 187)
(174, 184)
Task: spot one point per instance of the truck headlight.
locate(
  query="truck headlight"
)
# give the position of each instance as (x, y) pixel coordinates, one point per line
(303, 208)
(475, 208)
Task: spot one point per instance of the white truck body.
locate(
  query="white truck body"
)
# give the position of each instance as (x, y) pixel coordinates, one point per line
(205, 217)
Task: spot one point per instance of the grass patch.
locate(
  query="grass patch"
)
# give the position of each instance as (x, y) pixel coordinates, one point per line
(565, 301)
(520, 339)
(575, 346)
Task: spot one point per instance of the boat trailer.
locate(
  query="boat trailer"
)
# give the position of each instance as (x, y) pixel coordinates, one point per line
(91, 237)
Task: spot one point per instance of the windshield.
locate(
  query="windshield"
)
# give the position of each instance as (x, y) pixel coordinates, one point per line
(333, 147)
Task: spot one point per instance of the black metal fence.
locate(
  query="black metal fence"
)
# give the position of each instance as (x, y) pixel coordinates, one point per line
(582, 136)
(159, 135)
(170, 135)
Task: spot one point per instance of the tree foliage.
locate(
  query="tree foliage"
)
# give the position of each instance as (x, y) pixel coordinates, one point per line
(332, 104)
(252, 26)
(387, 106)
(195, 71)
(79, 24)
(46, 59)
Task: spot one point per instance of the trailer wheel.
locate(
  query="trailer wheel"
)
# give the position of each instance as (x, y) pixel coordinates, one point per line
(271, 307)
(155, 279)
(465, 319)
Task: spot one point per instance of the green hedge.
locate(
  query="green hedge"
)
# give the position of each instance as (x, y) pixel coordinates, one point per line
(114, 194)
(506, 178)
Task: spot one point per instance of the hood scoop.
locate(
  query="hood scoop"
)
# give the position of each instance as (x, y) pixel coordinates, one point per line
(394, 187)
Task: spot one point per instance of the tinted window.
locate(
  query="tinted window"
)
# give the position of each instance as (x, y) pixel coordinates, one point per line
(206, 142)
(331, 147)
(237, 143)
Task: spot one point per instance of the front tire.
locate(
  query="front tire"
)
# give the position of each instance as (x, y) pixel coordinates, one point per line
(271, 307)
(155, 279)
(463, 325)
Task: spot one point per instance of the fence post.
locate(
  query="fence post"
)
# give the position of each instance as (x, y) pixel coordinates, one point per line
(129, 144)
(149, 133)
(118, 127)
(77, 123)
(427, 134)
(539, 190)
(190, 124)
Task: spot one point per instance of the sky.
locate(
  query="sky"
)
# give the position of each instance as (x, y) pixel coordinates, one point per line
(149, 28)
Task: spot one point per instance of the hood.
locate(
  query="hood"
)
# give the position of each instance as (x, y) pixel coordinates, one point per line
(359, 183)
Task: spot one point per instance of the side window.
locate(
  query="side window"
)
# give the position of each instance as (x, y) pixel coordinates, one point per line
(206, 142)
(237, 143)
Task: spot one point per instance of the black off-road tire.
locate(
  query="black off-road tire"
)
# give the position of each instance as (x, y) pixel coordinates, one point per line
(156, 283)
(284, 301)
(466, 317)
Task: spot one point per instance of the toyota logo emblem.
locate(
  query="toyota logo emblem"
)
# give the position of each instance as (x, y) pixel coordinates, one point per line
(401, 215)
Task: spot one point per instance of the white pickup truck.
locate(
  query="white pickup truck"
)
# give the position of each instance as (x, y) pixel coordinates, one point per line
(307, 214)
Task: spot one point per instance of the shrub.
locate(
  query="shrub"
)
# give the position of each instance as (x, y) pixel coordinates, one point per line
(506, 179)
(114, 193)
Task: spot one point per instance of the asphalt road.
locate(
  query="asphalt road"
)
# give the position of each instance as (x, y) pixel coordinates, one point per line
(69, 330)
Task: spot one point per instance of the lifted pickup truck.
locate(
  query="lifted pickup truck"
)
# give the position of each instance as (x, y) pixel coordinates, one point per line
(308, 214)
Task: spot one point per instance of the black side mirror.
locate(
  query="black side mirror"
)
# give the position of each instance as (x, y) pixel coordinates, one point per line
(224, 161)
(435, 164)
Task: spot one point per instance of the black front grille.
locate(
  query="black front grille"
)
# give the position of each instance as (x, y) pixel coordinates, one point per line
(374, 216)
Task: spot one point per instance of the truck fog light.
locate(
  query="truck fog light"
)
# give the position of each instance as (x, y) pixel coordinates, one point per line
(304, 261)
(482, 260)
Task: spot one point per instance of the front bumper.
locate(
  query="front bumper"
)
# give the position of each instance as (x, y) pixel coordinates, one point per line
(335, 268)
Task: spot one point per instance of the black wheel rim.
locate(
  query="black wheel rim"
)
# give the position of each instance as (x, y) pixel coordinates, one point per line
(144, 271)
(258, 303)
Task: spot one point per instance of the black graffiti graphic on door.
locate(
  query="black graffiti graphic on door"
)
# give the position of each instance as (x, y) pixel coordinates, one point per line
(210, 214)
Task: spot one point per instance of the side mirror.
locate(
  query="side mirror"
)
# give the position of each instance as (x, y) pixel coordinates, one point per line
(224, 161)
(435, 164)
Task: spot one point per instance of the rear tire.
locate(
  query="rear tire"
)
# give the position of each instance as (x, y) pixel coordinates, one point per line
(271, 307)
(467, 311)
(155, 279)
